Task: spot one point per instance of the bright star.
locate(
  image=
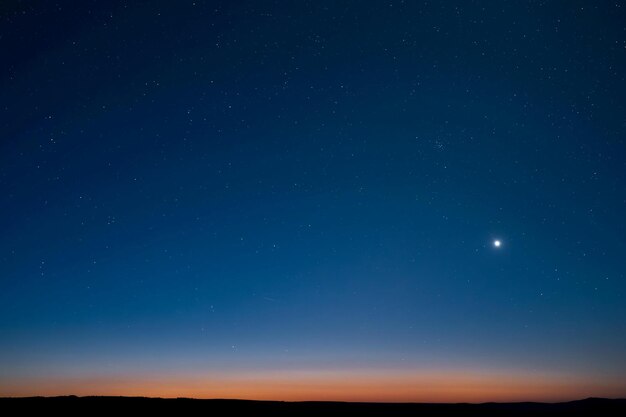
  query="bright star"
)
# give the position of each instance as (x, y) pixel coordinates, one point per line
(497, 243)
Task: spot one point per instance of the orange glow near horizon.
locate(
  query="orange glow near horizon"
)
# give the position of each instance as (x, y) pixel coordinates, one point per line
(391, 386)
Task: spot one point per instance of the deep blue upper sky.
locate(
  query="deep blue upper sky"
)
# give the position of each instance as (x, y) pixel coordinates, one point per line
(237, 184)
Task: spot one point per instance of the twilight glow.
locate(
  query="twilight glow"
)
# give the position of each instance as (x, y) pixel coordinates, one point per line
(366, 201)
(327, 385)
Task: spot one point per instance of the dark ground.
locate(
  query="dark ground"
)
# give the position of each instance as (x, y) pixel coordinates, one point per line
(588, 407)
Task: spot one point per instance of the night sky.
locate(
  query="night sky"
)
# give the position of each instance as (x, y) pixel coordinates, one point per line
(301, 200)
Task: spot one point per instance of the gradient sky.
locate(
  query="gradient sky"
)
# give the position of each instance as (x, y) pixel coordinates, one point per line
(299, 200)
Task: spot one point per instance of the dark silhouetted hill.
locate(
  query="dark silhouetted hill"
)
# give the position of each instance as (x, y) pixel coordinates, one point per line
(184, 406)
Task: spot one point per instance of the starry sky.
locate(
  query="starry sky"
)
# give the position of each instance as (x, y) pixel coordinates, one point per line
(301, 200)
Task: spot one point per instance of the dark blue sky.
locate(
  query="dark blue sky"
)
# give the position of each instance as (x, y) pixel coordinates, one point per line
(196, 187)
